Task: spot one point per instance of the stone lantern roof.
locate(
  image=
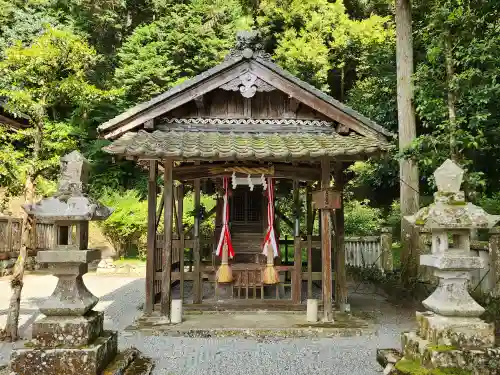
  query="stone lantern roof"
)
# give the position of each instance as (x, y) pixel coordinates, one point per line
(450, 210)
(70, 202)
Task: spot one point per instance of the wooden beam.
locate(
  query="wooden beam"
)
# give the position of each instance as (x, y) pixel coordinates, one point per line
(151, 238)
(196, 250)
(297, 257)
(159, 211)
(176, 100)
(287, 221)
(12, 123)
(326, 247)
(310, 225)
(167, 246)
(340, 271)
(312, 100)
(281, 170)
(180, 214)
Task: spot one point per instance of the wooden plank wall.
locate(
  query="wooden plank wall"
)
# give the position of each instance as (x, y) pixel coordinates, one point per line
(10, 235)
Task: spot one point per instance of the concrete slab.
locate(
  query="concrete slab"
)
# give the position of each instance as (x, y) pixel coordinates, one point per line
(253, 324)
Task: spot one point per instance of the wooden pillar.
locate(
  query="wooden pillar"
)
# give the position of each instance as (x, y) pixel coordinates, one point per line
(310, 225)
(167, 245)
(297, 275)
(150, 257)
(340, 271)
(326, 247)
(197, 256)
(180, 228)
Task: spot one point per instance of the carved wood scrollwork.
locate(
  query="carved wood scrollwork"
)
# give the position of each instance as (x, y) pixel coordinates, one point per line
(247, 84)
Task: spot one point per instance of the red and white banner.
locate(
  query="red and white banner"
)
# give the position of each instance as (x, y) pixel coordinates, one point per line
(270, 239)
(225, 235)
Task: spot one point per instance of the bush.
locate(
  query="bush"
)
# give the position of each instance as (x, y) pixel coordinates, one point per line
(128, 223)
(207, 202)
(361, 219)
(490, 204)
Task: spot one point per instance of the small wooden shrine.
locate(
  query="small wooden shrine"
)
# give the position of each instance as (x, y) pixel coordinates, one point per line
(247, 131)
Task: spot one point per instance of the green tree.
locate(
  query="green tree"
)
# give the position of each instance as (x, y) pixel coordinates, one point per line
(24, 20)
(319, 42)
(46, 83)
(188, 39)
(457, 88)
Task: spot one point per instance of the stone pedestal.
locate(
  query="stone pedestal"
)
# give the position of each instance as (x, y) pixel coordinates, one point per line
(89, 359)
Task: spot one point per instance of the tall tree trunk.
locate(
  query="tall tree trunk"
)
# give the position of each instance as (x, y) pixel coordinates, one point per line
(452, 98)
(16, 284)
(409, 188)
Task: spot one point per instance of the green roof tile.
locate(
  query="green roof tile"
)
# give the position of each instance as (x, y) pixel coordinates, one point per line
(185, 145)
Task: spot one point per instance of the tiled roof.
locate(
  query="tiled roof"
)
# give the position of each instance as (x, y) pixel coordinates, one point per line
(185, 145)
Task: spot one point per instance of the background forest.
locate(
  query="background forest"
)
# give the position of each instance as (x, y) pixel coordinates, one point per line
(68, 65)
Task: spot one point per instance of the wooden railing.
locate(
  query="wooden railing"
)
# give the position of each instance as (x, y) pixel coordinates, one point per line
(10, 237)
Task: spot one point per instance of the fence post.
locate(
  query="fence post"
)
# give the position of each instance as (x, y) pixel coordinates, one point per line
(494, 246)
(386, 245)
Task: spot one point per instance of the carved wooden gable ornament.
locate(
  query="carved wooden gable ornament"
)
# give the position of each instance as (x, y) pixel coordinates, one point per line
(281, 117)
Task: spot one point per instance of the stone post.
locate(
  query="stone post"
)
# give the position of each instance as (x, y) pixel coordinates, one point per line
(425, 239)
(495, 261)
(386, 244)
(70, 338)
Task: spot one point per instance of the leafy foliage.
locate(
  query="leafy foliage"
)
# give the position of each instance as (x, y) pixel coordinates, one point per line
(45, 83)
(319, 42)
(187, 40)
(58, 59)
(361, 219)
(128, 222)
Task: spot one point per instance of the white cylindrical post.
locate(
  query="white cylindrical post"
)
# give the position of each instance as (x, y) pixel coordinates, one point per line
(176, 311)
(312, 310)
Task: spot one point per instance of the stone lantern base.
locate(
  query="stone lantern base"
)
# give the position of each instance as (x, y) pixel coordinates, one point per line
(66, 345)
(461, 344)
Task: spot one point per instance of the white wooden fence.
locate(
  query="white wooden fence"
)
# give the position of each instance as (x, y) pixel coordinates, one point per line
(375, 251)
(364, 252)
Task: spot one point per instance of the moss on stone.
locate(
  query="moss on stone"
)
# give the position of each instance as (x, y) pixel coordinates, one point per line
(441, 348)
(450, 371)
(408, 367)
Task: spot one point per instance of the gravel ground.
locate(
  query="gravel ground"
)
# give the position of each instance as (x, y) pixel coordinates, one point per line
(121, 298)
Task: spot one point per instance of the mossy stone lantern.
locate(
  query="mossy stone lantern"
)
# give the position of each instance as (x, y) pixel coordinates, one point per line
(70, 212)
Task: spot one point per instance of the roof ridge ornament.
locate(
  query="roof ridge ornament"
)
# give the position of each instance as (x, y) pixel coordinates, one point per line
(248, 44)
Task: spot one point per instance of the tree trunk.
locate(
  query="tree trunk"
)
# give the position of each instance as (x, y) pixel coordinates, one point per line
(409, 187)
(452, 98)
(12, 325)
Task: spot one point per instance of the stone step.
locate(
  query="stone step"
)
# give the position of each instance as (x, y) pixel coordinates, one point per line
(121, 362)
(387, 358)
(129, 362)
(140, 366)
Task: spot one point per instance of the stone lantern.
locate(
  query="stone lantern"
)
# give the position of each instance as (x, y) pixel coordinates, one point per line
(451, 217)
(70, 338)
(450, 334)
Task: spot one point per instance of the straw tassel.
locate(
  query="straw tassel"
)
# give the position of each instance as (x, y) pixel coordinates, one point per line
(224, 273)
(271, 276)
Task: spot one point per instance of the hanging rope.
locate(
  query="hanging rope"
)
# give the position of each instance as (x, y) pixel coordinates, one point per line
(225, 246)
(270, 247)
